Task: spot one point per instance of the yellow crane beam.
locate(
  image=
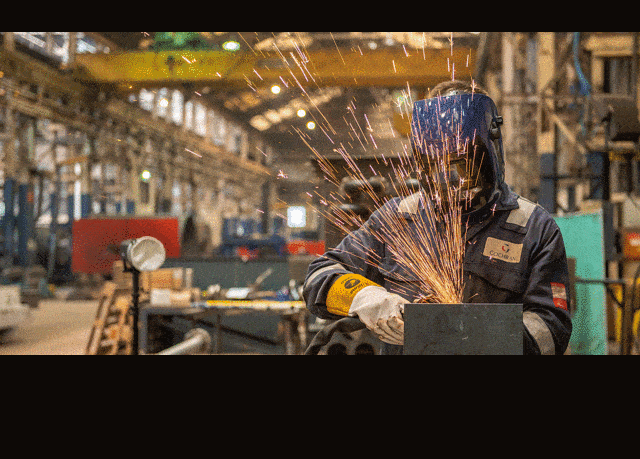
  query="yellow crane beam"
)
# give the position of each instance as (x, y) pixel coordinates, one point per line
(317, 68)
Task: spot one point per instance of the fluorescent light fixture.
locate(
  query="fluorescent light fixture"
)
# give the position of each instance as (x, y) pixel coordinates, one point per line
(231, 45)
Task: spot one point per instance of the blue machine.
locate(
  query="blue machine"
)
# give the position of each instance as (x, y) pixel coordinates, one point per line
(238, 233)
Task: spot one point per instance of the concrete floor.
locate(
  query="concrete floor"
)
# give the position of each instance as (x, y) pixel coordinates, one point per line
(56, 327)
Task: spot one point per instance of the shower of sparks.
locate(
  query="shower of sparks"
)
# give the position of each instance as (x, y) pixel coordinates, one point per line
(194, 153)
(432, 248)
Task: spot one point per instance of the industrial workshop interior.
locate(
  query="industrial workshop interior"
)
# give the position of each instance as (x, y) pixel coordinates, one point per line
(198, 193)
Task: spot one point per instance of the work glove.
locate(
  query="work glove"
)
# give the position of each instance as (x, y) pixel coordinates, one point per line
(382, 313)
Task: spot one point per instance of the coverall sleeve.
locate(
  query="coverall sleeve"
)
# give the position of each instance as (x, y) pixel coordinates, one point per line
(359, 253)
(547, 321)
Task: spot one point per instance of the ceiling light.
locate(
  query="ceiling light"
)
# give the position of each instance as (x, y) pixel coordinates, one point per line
(260, 123)
(273, 116)
(285, 112)
(231, 45)
(302, 113)
(311, 125)
(275, 89)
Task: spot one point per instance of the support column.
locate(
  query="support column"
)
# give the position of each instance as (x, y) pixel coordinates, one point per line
(10, 187)
(265, 206)
(547, 135)
(10, 184)
(133, 190)
(25, 224)
(508, 90)
(24, 220)
(164, 204)
(85, 181)
(54, 211)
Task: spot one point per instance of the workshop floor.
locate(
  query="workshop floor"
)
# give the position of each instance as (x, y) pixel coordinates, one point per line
(56, 327)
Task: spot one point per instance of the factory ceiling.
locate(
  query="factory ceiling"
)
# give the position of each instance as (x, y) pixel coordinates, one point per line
(342, 107)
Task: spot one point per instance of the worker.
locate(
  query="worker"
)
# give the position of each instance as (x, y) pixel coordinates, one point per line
(514, 251)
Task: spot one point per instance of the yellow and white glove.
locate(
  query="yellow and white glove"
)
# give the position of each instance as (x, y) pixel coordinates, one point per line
(382, 312)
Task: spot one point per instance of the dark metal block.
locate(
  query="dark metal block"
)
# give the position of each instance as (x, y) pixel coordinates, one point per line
(463, 329)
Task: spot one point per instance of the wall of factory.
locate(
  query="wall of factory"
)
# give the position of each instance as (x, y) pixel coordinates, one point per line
(124, 169)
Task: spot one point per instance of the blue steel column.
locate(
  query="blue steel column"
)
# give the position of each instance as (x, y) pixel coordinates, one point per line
(70, 210)
(131, 207)
(24, 223)
(53, 231)
(9, 218)
(85, 205)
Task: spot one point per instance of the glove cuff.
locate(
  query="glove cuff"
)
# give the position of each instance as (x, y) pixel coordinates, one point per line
(344, 290)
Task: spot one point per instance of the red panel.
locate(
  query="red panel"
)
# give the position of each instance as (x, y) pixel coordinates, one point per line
(306, 247)
(631, 244)
(93, 237)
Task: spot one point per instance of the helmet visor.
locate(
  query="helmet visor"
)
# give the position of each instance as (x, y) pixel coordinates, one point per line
(451, 138)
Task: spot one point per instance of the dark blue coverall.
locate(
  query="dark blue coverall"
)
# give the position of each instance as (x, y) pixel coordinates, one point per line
(514, 254)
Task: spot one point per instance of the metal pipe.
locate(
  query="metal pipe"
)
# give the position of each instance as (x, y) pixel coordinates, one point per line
(196, 341)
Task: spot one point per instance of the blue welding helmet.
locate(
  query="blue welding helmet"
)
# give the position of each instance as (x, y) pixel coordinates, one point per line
(457, 141)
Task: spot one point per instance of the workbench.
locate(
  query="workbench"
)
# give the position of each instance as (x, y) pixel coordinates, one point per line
(293, 316)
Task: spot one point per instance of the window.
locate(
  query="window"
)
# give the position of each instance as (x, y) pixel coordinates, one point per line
(163, 102)
(146, 99)
(200, 121)
(177, 103)
(296, 217)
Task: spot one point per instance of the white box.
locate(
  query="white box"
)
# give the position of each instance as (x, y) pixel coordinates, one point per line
(160, 297)
(9, 295)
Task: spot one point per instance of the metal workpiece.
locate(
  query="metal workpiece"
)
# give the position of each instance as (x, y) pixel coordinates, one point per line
(463, 329)
(197, 341)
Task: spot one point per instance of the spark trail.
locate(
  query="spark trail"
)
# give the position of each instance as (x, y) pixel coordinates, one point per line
(430, 245)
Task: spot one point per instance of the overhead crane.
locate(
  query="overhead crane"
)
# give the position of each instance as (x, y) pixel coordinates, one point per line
(355, 67)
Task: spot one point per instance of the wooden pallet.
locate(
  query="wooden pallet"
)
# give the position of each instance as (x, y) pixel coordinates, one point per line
(112, 330)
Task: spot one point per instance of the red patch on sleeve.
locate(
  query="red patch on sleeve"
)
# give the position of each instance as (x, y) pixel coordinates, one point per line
(559, 292)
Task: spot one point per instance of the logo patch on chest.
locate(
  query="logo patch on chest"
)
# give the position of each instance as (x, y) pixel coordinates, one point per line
(503, 250)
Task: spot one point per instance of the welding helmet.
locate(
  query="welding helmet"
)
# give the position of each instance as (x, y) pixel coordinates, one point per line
(457, 140)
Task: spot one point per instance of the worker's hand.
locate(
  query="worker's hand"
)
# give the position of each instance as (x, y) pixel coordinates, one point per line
(381, 312)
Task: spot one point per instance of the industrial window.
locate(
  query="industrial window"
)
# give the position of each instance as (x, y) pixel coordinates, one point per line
(200, 119)
(296, 217)
(163, 102)
(188, 115)
(220, 129)
(146, 99)
(177, 106)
